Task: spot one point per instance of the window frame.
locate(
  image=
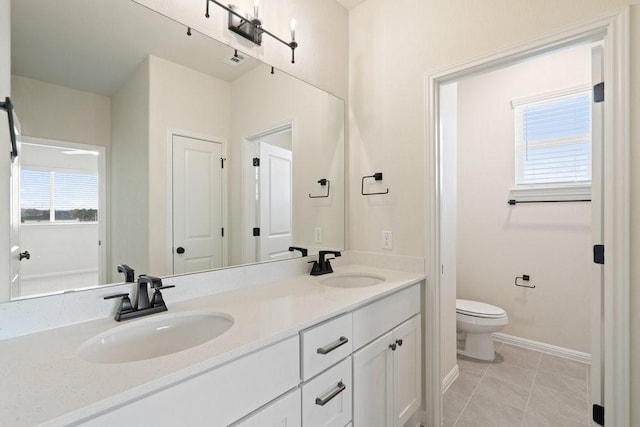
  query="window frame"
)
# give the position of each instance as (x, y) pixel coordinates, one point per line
(102, 181)
(559, 191)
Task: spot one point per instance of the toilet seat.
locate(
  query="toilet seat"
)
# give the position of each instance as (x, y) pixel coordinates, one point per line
(479, 309)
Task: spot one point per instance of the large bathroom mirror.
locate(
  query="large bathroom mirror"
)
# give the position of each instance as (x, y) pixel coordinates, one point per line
(148, 144)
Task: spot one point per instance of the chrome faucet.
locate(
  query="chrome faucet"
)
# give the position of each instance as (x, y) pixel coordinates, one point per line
(143, 306)
(129, 273)
(323, 266)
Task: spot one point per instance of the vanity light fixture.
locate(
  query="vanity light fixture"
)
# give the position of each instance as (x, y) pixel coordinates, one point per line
(250, 27)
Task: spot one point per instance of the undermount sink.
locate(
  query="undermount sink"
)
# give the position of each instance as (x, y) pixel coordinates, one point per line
(154, 337)
(352, 280)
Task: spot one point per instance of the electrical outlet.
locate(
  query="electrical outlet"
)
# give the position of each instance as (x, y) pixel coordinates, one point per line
(318, 235)
(387, 239)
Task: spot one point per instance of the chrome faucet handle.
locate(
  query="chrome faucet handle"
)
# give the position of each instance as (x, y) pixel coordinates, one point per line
(157, 299)
(125, 303)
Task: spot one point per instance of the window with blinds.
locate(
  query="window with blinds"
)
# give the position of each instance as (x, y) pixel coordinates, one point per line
(58, 196)
(553, 139)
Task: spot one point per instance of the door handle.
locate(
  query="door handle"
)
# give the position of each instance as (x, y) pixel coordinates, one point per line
(180, 250)
(24, 255)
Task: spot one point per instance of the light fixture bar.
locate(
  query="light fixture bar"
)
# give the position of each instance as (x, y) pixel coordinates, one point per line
(254, 34)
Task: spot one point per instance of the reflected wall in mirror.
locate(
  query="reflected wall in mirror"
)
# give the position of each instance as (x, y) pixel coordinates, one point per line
(138, 146)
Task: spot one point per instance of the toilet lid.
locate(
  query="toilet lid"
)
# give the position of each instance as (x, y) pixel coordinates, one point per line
(478, 309)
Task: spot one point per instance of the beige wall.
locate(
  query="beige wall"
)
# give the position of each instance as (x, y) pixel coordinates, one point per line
(634, 300)
(130, 175)
(180, 99)
(322, 34)
(318, 152)
(497, 242)
(57, 112)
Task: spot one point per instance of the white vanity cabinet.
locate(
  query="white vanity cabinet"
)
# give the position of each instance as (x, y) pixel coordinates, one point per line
(284, 412)
(217, 397)
(359, 369)
(387, 372)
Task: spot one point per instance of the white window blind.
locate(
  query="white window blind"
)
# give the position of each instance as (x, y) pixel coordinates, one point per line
(55, 196)
(553, 139)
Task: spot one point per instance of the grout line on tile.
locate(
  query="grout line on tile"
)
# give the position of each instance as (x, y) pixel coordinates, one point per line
(533, 384)
(484, 374)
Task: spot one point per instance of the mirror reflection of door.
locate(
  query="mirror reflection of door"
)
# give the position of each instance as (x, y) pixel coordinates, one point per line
(197, 205)
(59, 224)
(274, 204)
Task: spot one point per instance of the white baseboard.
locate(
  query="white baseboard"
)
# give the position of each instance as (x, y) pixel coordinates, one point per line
(450, 378)
(553, 350)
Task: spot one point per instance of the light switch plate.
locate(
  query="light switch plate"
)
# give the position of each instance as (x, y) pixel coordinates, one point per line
(318, 235)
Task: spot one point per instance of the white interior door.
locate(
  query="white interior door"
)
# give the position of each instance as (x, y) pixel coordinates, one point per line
(596, 386)
(197, 205)
(276, 225)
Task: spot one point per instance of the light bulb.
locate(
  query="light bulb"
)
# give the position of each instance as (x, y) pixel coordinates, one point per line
(293, 29)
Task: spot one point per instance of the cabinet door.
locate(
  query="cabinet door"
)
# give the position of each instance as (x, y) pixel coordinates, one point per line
(407, 372)
(373, 384)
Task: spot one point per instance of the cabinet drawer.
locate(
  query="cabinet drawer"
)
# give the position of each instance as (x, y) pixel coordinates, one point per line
(325, 345)
(375, 319)
(284, 412)
(326, 400)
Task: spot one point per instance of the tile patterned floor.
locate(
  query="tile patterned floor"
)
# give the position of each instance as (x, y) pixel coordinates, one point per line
(520, 388)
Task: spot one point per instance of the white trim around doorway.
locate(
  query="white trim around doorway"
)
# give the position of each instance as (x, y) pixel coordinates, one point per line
(616, 185)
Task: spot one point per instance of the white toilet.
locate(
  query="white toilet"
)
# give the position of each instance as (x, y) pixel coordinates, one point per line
(475, 322)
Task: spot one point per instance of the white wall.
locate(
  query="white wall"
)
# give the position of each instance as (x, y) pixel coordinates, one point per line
(51, 111)
(497, 242)
(57, 249)
(129, 234)
(388, 59)
(318, 152)
(179, 99)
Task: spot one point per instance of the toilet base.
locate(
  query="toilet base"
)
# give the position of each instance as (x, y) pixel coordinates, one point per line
(478, 346)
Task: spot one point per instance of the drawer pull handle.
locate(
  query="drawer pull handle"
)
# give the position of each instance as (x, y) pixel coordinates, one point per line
(399, 342)
(330, 347)
(340, 387)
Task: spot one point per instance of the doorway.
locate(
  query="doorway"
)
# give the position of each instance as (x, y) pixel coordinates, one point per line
(58, 217)
(197, 204)
(268, 190)
(524, 212)
(613, 327)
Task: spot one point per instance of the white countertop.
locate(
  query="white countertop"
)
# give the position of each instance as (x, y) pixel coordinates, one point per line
(43, 378)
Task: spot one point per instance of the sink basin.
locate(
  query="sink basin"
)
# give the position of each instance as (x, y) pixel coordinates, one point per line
(155, 336)
(352, 280)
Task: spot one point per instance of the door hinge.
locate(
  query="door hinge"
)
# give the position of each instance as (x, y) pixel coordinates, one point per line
(598, 254)
(222, 231)
(256, 161)
(222, 159)
(598, 92)
(598, 414)
(256, 231)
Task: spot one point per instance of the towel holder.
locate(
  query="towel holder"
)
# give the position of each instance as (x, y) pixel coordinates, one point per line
(377, 177)
(322, 182)
(8, 107)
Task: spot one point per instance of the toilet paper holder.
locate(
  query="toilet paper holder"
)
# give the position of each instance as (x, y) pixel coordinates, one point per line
(524, 278)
